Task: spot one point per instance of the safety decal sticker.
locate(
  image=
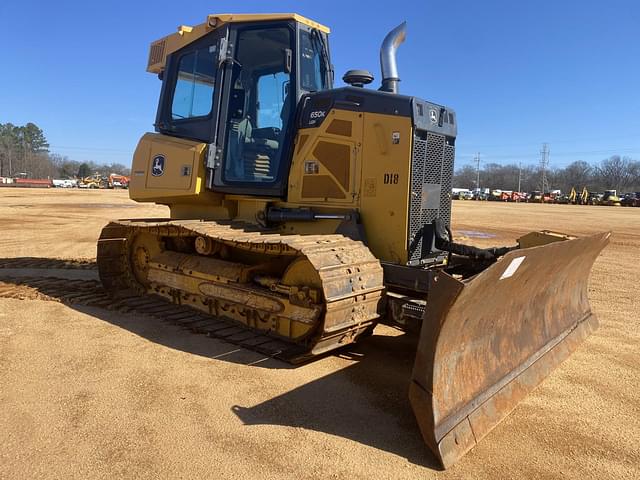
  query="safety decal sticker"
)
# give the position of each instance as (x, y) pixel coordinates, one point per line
(511, 269)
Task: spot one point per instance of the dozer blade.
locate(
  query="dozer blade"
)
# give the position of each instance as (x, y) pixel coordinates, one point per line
(487, 342)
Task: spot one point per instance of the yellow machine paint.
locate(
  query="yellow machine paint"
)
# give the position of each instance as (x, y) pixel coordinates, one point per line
(186, 34)
(329, 168)
(327, 173)
(302, 215)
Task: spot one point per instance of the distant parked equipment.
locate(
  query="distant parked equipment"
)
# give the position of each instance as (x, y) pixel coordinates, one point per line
(461, 194)
(518, 197)
(563, 199)
(610, 199)
(584, 196)
(481, 193)
(631, 200)
(594, 198)
(118, 181)
(64, 183)
(535, 197)
(93, 182)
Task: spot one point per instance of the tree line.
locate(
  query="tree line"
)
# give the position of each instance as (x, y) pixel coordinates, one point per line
(24, 152)
(616, 172)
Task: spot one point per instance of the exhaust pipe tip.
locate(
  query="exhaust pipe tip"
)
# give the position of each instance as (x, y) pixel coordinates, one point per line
(388, 64)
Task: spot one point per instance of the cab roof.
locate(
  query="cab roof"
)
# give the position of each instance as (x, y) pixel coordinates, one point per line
(186, 34)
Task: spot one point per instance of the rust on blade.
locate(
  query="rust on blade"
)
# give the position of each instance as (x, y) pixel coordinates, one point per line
(487, 342)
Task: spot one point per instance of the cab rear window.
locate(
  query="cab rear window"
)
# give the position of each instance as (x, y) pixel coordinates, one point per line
(195, 85)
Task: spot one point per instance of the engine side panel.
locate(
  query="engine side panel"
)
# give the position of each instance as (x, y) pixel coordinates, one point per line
(360, 161)
(385, 185)
(327, 159)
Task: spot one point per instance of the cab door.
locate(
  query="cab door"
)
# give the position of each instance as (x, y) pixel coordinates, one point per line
(251, 152)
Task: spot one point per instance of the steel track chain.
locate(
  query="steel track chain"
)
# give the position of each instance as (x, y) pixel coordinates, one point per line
(352, 278)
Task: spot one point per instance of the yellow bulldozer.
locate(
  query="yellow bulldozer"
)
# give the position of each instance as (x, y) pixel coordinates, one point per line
(610, 199)
(92, 181)
(305, 214)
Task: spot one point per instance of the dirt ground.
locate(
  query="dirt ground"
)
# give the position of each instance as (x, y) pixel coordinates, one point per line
(88, 393)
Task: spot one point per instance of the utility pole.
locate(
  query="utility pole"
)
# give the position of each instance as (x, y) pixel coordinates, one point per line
(544, 163)
(519, 175)
(477, 160)
(24, 153)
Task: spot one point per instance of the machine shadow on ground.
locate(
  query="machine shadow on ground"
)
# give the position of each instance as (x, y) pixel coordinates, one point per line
(48, 263)
(146, 326)
(375, 413)
(381, 372)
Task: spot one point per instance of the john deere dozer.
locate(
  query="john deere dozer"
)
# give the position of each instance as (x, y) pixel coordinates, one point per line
(306, 214)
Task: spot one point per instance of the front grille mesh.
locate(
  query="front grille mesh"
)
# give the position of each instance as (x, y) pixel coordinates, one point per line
(447, 177)
(432, 163)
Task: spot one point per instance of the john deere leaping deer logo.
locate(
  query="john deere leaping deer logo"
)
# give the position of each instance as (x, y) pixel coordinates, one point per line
(158, 165)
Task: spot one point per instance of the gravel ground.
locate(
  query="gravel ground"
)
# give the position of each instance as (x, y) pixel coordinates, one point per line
(86, 393)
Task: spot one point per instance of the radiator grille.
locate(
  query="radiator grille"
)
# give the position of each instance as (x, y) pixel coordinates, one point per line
(431, 172)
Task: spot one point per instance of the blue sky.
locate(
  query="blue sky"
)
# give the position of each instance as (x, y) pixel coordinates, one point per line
(517, 73)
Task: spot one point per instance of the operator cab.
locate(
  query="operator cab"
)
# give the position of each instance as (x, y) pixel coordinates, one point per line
(236, 88)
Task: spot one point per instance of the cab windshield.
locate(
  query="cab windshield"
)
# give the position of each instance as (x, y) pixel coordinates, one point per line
(314, 68)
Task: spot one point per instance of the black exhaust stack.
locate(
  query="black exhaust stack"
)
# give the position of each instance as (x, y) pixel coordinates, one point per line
(388, 63)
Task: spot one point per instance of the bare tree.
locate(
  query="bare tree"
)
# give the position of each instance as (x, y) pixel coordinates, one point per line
(465, 177)
(634, 174)
(576, 175)
(614, 173)
(620, 173)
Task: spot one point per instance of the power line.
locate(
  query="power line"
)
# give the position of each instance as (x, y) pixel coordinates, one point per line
(477, 160)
